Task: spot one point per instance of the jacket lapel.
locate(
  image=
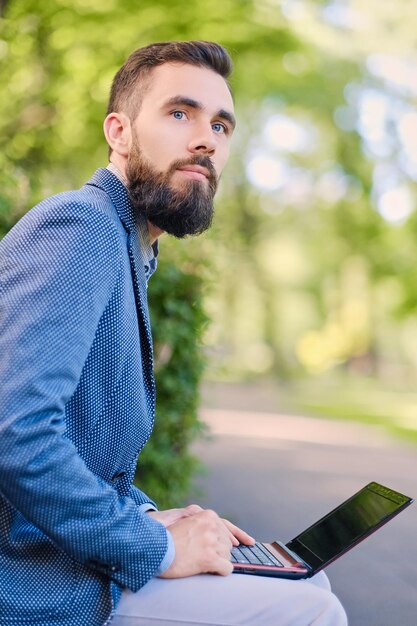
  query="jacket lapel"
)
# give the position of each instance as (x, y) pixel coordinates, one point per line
(108, 182)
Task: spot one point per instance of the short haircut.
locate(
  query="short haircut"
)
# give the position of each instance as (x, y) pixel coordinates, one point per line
(131, 81)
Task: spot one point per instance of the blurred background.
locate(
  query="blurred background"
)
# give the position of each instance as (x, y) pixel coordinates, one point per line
(311, 266)
(302, 299)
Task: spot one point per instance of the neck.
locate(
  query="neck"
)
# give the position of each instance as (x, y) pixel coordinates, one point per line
(119, 170)
(154, 232)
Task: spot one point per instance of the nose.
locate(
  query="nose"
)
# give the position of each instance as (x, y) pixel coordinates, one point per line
(203, 141)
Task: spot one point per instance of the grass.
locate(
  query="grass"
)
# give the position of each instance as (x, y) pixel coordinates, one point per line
(337, 396)
(364, 401)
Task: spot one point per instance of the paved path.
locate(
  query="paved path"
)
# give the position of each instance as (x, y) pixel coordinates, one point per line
(275, 474)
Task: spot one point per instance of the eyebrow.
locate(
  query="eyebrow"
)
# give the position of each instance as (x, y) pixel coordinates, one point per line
(194, 104)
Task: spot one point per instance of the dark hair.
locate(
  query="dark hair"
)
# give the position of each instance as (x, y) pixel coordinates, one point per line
(128, 85)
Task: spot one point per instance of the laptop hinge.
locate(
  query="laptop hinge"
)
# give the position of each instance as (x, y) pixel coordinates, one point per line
(287, 557)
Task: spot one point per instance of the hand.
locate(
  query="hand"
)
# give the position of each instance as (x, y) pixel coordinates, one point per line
(170, 516)
(238, 535)
(202, 545)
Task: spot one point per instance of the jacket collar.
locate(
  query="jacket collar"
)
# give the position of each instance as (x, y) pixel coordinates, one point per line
(104, 179)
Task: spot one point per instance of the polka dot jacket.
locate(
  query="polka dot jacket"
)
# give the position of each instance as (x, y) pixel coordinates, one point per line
(77, 404)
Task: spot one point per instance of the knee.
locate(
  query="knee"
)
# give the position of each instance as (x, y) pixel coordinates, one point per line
(332, 613)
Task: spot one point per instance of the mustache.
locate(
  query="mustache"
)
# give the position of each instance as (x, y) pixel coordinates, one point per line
(203, 161)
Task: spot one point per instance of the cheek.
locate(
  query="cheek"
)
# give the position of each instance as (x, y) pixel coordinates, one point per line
(221, 158)
(157, 145)
(159, 155)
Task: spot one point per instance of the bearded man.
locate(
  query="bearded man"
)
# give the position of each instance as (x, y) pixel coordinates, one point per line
(79, 544)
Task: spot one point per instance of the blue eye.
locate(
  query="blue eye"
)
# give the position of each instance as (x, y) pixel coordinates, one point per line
(219, 128)
(178, 115)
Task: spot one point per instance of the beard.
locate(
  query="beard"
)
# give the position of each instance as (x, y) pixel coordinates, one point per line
(185, 210)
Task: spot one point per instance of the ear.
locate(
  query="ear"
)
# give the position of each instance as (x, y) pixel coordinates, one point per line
(117, 130)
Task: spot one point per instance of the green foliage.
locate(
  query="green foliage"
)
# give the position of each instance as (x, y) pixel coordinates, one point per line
(14, 191)
(304, 285)
(178, 320)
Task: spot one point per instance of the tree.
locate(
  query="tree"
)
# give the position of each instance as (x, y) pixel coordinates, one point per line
(311, 271)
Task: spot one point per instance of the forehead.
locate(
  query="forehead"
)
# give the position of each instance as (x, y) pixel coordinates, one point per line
(198, 83)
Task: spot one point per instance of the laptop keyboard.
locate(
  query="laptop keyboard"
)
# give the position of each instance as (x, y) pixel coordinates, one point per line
(255, 555)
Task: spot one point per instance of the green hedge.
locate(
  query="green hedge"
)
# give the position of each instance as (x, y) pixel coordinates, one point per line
(166, 466)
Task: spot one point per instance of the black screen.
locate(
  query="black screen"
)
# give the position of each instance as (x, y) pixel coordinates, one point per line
(349, 522)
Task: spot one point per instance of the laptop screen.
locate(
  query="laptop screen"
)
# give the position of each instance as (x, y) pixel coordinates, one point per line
(348, 524)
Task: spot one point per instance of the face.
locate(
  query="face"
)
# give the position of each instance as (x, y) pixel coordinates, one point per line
(179, 146)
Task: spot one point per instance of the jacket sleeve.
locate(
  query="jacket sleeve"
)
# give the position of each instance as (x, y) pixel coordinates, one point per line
(58, 268)
(141, 498)
(127, 487)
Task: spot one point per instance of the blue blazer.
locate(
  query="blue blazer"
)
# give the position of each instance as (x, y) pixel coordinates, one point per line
(77, 405)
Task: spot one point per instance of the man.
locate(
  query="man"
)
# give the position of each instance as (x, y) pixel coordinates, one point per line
(80, 545)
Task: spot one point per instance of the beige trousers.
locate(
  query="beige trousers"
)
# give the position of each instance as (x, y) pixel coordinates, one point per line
(235, 600)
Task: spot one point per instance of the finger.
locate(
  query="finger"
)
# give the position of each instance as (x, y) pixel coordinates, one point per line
(226, 568)
(192, 509)
(226, 537)
(223, 567)
(233, 540)
(239, 535)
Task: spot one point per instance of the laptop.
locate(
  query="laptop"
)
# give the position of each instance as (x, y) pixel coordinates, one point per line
(326, 540)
